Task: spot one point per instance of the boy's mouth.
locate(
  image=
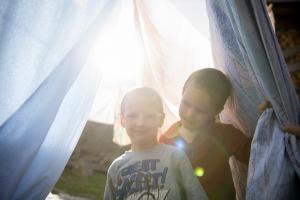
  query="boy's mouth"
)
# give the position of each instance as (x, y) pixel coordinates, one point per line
(140, 130)
(189, 124)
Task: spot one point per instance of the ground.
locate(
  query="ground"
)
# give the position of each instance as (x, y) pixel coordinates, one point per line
(71, 186)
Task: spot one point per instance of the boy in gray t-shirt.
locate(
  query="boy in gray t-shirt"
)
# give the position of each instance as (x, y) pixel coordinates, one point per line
(149, 170)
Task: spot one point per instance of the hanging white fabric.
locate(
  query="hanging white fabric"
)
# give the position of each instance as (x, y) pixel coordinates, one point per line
(246, 48)
(156, 45)
(46, 89)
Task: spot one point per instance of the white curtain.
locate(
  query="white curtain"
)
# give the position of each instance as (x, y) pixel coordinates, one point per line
(160, 43)
(246, 48)
(47, 88)
(56, 55)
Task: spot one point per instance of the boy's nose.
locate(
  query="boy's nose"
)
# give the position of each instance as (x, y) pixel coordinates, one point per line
(140, 121)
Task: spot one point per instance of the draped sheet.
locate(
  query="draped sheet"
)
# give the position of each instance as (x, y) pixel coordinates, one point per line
(159, 44)
(47, 85)
(173, 48)
(47, 89)
(245, 47)
(48, 78)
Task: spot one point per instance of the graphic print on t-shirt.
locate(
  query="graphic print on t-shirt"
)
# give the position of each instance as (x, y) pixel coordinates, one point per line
(142, 180)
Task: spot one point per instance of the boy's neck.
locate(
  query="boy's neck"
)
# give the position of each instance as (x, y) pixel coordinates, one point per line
(187, 134)
(190, 135)
(144, 146)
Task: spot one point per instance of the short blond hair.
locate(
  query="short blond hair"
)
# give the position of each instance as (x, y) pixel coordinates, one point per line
(146, 92)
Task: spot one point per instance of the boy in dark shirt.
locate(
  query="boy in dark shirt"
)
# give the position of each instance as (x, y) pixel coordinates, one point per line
(207, 143)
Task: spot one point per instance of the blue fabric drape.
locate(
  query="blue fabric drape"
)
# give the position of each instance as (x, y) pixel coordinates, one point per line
(246, 48)
(46, 89)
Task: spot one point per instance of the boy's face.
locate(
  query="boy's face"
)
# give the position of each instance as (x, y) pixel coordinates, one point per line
(196, 108)
(141, 119)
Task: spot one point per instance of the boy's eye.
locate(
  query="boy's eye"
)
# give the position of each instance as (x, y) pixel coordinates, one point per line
(150, 116)
(131, 116)
(147, 117)
(185, 103)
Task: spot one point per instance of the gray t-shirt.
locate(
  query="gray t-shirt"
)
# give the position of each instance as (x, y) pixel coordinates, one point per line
(162, 172)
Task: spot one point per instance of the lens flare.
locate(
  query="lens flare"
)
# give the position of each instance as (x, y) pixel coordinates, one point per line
(180, 144)
(199, 171)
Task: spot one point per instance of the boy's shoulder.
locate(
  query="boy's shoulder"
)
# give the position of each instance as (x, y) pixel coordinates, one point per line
(227, 129)
(231, 136)
(175, 151)
(169, 147)
(117, 162)
(159, 150)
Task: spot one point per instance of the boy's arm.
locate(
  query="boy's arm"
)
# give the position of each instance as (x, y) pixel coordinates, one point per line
(109, 192)
(287, 128)
(243, 151)
(190, 184)
(237, 143)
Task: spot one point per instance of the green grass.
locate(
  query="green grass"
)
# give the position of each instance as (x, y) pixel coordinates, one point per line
(91, 187)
